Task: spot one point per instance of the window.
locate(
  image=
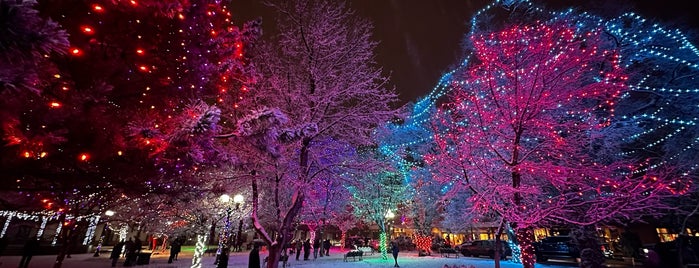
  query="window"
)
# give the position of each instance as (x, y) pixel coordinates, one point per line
(665, 235)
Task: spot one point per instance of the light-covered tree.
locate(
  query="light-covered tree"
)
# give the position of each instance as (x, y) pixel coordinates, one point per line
(657, 117)
(376, 197)
(26, 39)
(654, 120)
(523, 122)
(319, 84)
(125, 114)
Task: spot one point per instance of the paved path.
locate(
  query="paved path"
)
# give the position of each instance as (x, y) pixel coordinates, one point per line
(240, 260)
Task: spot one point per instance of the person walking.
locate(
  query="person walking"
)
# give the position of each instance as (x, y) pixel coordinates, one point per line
(178, 246)
(254, 260)
(130, 253)
(306, 249)
(395, 250)
(174, 250)
(326, 247)
(137, 245)
(30, 248)
(298, 248)
(316, 247)
(116, 253)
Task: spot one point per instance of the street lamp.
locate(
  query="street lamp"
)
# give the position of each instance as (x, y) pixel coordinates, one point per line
(223, 249)
(225, 241)
(382, 237)
(389, 218)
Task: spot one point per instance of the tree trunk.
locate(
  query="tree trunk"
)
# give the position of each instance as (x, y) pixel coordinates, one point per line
(525, 236)
(343, 239)
(276, 245)
(275, 251)
(199, 249)
(498, 245)
(383, 246)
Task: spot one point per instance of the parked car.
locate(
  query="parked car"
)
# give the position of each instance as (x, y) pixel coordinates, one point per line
(556, 247)
(458, 247)
(485, 248)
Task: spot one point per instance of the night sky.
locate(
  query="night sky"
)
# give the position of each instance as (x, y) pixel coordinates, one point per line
(420, 39)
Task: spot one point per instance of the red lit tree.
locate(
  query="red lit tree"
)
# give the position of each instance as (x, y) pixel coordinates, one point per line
(522, 131)
(127, 111)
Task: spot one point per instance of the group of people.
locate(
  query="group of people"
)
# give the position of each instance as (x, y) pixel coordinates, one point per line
(130, 249)
(30, 248)
(319, 247)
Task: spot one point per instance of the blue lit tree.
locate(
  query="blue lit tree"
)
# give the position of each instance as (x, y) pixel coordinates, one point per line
(658, 116)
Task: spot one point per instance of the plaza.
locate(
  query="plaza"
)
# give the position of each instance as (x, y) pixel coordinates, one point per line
(408, 259)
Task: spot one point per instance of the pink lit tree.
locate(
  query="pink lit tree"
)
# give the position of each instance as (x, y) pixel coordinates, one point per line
(521, 131)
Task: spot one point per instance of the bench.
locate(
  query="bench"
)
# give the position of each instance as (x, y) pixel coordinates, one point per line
(367, 250)
(354, 254)
(283, 258)
(446, 252)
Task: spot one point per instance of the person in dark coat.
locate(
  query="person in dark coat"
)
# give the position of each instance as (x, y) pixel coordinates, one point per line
(326, 247)
(316, 247)
(298, 245)
(137, 245)
(254, 260)
(116, 253)
(306, 249)
(174, 250)
(178, 246)
(394, 251)
(130, 253)
(28, 251)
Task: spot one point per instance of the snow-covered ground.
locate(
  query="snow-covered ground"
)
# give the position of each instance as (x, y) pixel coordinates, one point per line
(240, 260)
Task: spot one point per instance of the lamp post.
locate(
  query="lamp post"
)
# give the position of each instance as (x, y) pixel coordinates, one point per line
(223, 242)
(382, 237)
(389, 218)
(109, 213)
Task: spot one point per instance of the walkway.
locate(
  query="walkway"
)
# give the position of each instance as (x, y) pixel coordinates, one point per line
(240, 260)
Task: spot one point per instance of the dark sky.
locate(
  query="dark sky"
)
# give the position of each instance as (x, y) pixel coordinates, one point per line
(420, 39)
